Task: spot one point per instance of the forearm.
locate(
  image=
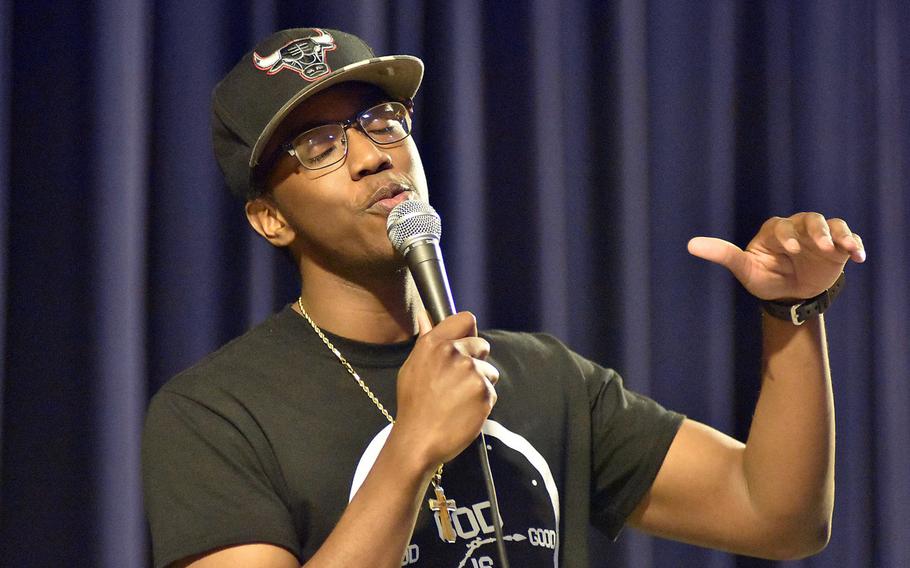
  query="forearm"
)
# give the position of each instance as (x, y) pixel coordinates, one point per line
(377, 524)
(788, 462)
(773, 496)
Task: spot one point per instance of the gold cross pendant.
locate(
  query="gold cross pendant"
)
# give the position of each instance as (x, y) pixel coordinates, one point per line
(445, 508)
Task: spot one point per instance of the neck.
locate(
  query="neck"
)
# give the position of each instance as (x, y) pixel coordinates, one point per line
(380, 309)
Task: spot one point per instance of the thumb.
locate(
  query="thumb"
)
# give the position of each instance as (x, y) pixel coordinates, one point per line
(721, 252)
(424, 325)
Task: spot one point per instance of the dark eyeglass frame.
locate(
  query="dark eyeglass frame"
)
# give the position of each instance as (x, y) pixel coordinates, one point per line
(355, 122)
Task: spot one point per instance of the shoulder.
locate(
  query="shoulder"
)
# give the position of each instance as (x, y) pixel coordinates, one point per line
(544, 356)
(524, 342)
(239, 362)
(226, 395)
(541, 348)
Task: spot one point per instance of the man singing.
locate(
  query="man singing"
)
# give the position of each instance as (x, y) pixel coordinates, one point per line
(334, 433)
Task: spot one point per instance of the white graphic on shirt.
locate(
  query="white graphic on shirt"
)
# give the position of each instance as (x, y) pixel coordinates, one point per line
(478, 542)
(471, 520)
(411, 555)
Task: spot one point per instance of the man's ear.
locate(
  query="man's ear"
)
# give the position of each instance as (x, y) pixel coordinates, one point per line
(267, 220)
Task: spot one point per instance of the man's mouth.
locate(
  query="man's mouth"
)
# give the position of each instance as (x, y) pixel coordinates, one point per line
(388, 196)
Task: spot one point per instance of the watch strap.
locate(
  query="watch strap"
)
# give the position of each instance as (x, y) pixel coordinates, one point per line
(800, 312)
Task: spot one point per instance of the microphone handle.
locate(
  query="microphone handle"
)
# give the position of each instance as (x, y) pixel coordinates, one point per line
(424, 259)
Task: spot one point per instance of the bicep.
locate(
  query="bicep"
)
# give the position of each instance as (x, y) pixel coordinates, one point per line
(259, 555)
(208, 483)
(700, 495)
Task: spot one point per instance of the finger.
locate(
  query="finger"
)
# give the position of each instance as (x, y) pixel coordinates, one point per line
(814, 227)
(476, 347)
(841, 233)
(424, 325)
(786, 235)
(492, 396)
(846, 240)
(721, 252)
(457, 326)
(491, 377)
(860, 254)
(488, 371)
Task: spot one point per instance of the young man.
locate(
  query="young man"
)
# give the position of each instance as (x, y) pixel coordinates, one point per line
(333, 433)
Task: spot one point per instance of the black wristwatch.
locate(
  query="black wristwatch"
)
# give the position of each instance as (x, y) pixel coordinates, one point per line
(800, 312)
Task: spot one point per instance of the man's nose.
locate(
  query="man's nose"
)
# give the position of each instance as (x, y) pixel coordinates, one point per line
(365, 157)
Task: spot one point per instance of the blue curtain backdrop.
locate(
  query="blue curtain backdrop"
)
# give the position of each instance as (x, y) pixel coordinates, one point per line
(572, 148)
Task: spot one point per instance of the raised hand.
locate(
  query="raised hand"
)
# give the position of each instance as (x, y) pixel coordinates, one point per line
(790, 258)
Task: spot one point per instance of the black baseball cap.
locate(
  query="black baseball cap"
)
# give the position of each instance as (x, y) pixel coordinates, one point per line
(277, 76)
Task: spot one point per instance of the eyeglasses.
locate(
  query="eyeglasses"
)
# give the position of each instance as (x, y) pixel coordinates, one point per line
(385, 124)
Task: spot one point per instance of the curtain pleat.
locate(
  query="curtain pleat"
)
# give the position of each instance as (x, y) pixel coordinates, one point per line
(5, 49)
(120, 194)
(546, 156)
(465, 152)
(891, 308)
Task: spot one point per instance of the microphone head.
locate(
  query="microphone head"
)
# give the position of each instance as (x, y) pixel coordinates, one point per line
(410, 221)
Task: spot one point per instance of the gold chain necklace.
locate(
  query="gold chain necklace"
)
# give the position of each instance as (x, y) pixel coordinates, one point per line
(444, 507)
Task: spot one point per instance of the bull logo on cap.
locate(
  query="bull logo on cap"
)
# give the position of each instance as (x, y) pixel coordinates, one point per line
(305, 56)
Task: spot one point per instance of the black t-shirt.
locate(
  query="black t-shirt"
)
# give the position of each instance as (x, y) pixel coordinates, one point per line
(268, 438)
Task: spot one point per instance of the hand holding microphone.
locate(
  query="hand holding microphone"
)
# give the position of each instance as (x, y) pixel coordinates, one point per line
(414, 229)
(445, 388)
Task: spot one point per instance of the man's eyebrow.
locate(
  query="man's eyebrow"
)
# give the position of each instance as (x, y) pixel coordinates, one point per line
(307, 125)
(304, 126)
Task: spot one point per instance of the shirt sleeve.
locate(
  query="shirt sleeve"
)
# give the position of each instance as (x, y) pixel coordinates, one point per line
(205, 482)
(630, 436)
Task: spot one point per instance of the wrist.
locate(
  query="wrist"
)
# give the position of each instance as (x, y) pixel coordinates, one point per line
(410, 453)
(798, 312)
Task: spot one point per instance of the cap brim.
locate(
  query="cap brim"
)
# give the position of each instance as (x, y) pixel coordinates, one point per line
(397, 75)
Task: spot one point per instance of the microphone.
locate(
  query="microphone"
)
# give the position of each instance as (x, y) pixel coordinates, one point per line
(414, 228)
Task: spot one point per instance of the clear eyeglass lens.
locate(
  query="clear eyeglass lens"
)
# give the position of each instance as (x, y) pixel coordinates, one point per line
(386, 123)
(323, 146)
